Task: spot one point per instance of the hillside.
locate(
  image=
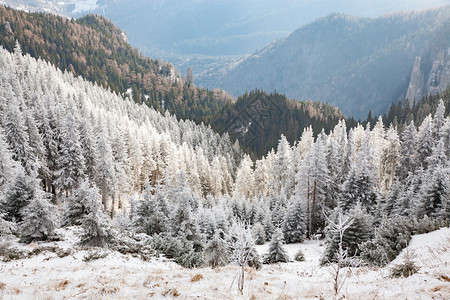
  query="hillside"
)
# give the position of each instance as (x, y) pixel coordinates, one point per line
(258, 119)
(96, 49)
(357, 64)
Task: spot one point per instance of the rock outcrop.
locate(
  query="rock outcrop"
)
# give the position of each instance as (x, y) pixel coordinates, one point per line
(438, 76)
(415, 88)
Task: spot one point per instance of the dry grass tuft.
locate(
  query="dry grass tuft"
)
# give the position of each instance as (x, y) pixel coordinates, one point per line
(62, 285)
(283, 296)
(197, 277)
(444, 277)
(171, 292)
(109, 290)
(438, 288)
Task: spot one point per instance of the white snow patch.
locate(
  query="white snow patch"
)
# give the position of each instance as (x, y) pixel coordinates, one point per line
(84, 5)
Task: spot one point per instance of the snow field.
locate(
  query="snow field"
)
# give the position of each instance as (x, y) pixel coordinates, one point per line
(118, 276)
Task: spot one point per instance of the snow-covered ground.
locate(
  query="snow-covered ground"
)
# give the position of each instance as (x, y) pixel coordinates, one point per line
(123, 276)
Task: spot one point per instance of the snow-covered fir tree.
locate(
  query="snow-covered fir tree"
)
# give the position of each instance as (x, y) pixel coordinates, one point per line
(276, 252)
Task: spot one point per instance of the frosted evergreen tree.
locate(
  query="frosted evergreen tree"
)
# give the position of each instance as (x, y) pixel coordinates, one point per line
(17, 137)
(6, 227)
(97, 231)
(389, 160)
(244, 178)
(278, 209)
(150, 214)
(206, 223)
(259, 234)
(390, 237)
(435, 194)
(262, 177)
(216, 177)
(216, 252)
(302, 147)
(87, 142)
(282, 169)
(18, 195)
(36, 145)
(407, 162)
(121, 162)
(336, 159)
(276, 251)
(8, 167)
(182, 219)
(77, 205)
(105, 177)
(359, 230)
(38, 217)
(360, 185)
(70, 162)
(439, 120)
(425, 142)
(49, 130)
(313, 185)
(445, 136)
(294, 227)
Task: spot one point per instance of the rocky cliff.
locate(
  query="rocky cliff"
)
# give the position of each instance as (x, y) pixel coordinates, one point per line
(436, 80)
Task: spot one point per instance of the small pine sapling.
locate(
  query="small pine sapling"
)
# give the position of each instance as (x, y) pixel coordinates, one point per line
(299, 256)
(407, 268)
(276, 251)
(244, 253)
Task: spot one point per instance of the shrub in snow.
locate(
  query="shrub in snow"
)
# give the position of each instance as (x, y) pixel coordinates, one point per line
(407, 268)
(179, 249)
(190, 259)
(216, 252)
(299, 256)
(8, 253)
(390, 238)
(94, 255)
(259, 234)
(170, 246)
(393, 235)
(6, 227)
(276, 251)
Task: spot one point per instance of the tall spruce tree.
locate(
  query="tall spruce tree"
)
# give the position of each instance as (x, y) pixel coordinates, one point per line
(294, 227)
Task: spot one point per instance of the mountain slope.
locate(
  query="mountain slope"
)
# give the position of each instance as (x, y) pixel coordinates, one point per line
(258, 119)
(99, 51)
(358, 64)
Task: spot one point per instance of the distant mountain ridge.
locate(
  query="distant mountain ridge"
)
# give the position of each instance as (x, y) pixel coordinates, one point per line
(358, 64)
